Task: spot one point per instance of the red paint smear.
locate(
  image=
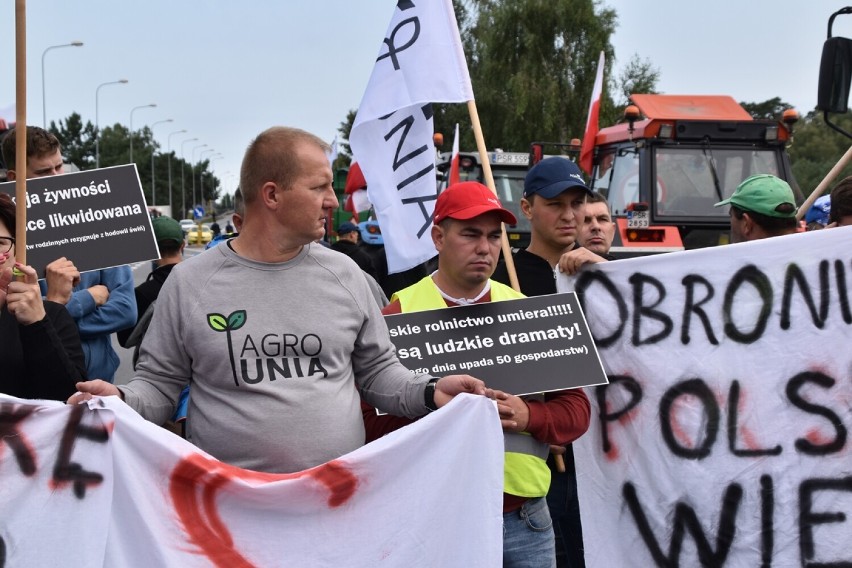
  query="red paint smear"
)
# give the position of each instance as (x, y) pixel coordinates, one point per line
(201, 521)
(613, 454)
(624, 420)
(628, 416)
(749, 437)
(679, 433)
(816, 438)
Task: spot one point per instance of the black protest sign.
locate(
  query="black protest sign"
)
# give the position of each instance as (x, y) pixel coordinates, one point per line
(96, 219)
(521, 346)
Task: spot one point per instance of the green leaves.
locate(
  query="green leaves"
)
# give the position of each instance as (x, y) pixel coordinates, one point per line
(237, 319)
(219, 322)
(532, 64)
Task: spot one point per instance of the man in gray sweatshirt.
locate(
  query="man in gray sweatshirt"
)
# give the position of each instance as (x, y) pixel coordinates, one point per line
(274, 331)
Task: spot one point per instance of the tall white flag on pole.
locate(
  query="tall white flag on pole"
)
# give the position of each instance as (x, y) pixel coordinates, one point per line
(420, 62)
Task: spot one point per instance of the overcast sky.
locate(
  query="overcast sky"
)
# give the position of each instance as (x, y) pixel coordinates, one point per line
(225, 71)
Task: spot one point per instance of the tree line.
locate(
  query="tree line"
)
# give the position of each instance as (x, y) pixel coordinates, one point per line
(78, 148)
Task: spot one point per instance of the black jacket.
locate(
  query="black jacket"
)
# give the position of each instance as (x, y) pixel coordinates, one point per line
(146, 293)
(43, 359)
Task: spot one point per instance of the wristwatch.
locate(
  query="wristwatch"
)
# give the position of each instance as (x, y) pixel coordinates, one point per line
(429, 395)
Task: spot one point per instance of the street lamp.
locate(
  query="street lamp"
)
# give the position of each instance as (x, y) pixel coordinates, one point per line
(97, 122)
(153, 151)
(169, 139)
(43, 96)
(201, 174)
(192, 167)
(134, 109)
(182, 162)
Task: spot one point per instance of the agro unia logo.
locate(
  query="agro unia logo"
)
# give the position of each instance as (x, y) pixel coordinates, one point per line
(219, 322)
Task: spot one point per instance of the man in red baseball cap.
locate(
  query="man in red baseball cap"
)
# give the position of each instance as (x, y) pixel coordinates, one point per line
(467, 233)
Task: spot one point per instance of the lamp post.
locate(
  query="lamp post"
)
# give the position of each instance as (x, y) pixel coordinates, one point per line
(169, 143)
(97, 122)
(192, 168)
(43, 95)
(201, 174)
(153, 152)
(134, 109)
(182, 162)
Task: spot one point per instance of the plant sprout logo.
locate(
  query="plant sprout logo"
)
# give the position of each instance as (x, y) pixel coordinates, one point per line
(219, 322)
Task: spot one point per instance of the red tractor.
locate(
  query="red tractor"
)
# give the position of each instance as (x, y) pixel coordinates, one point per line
(674, 157)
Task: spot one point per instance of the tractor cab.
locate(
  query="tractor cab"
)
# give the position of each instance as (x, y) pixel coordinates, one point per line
(673, 159)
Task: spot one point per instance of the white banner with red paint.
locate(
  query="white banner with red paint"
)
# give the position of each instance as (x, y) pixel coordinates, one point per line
(96, 485)
(723, 436)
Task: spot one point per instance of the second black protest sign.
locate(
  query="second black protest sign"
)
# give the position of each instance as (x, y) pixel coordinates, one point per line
(522, 346)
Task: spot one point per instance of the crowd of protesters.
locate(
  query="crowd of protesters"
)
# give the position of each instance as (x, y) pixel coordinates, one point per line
(58, 332)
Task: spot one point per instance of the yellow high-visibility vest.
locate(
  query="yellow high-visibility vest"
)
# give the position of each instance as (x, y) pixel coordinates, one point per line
(525, 471)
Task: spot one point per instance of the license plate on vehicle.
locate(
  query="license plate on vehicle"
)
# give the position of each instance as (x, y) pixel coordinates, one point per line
(637, 219)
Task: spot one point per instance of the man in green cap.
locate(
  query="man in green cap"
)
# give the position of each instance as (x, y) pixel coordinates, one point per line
(762, 206)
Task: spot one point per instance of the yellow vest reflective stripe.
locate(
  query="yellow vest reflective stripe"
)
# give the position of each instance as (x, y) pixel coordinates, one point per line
(525, 471)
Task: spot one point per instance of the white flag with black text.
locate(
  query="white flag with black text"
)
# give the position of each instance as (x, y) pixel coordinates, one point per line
(420, 62)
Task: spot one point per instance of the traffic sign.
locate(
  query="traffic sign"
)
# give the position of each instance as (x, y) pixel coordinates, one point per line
(198, 212)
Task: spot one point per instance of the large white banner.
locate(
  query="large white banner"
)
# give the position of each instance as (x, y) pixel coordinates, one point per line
(723, 436)
(420, 62)
(96, 485)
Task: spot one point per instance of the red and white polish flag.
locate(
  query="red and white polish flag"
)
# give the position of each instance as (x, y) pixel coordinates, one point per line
(592, 122)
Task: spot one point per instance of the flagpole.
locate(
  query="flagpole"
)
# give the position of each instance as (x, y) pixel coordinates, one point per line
(21, 131)
(823, 185)
(504, 238)
(489, 181)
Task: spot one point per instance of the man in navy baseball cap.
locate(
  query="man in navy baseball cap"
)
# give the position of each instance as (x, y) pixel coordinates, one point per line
(552, 176)
(554, 202)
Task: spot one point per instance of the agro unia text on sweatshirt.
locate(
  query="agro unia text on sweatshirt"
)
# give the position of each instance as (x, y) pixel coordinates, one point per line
(273, 351)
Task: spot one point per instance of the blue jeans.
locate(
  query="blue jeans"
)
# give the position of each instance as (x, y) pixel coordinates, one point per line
(528, 540)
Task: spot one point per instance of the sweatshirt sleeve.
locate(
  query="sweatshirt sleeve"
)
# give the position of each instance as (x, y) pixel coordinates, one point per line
(382, 380)
(164, 367)
(119, 311)
(562, 418)
(53, 355)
